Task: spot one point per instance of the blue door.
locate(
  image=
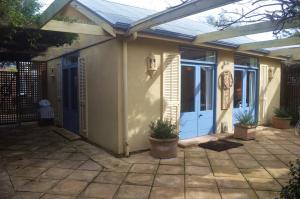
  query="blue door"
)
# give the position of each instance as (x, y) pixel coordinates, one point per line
(197, 100)
(70, 93)
(245, 89)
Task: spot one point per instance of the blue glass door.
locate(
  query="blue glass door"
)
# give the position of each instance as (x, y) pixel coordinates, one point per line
(206, 109)
(197, 100)
(245, 85)
(70, 93)
(189, 97)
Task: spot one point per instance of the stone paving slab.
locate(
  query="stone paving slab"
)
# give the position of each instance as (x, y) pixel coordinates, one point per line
(38, 163)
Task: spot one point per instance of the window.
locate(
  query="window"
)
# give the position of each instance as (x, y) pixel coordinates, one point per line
(243, 60)
(238, 89)
(198, 55)
(206, 89)
(71, 59)
(250, 98)
(188, 89)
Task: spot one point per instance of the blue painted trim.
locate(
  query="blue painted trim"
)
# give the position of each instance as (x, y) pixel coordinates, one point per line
(246, 67)
(195, 62)
(216, 92)
(215, 83)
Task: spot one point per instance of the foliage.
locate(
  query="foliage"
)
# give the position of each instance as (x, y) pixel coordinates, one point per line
(246, 118)
(19, 12)
(282, 113)
(279, 12)
(15, 14)
(292, 190)
(163, 129)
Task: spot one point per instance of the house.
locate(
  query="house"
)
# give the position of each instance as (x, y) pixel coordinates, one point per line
(109, 88)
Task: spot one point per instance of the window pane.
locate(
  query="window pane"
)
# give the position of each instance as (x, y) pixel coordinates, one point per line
(250, 88)
(198, 55)
(238, 89)
(188, 89)
(206, 89)
(71, 59)
(245, 61)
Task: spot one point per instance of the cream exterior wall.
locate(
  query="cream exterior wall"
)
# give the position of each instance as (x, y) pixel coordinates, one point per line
(144, 100)
(52, 89)
(144, 93)
(105, 102)
(272, 91)
(225, 61)
(272, 88)
(103, 65)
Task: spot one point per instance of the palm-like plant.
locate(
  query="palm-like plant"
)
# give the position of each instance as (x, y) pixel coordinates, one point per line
(246, 119)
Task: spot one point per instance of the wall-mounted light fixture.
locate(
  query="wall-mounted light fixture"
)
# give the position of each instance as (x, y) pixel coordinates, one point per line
(152, 65)
(51, 72)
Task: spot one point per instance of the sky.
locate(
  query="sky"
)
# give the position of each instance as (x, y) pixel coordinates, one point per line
(160, 5)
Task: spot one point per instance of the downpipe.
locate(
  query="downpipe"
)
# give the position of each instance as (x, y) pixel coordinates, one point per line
(125, 99)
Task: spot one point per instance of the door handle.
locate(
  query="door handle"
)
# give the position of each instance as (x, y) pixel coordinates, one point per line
(200, 115)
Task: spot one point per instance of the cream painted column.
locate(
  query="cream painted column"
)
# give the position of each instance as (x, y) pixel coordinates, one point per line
(225, 63)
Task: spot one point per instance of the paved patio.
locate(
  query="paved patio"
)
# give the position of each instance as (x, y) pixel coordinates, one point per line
(38, 163)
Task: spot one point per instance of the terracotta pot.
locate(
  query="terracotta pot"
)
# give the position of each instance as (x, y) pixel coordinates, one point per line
(281, 123)
(244, 132)
(163, 148)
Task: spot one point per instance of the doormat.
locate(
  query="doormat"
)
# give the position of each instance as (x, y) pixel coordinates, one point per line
(220, 145)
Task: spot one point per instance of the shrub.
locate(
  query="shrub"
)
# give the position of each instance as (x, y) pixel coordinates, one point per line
(245, 118)
(292, 190)
(163, 129)
(282, 113)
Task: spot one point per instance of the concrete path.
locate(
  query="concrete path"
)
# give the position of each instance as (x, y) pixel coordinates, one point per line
(38, 163)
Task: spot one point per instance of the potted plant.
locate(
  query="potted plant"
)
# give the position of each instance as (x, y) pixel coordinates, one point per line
(163, 139)
(245, 129)
(282, 119)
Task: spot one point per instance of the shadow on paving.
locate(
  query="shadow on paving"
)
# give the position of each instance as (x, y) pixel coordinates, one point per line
(38, 163)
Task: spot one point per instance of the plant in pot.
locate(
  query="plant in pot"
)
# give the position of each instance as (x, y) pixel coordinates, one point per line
(245, 129)
(163, 139)
(282, 119)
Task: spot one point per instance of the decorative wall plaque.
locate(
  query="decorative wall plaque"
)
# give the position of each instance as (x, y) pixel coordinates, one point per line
(227, 83)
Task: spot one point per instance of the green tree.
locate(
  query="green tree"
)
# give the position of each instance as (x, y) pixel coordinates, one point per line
(19, 12)
(16, 16)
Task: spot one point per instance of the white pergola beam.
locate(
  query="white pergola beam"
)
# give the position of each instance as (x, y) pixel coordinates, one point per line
(285, 51)
(242, 31)
(184, 10)
(295, 57)
(270, 44)
(52, 11)
(78, 28)
(93, 17)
